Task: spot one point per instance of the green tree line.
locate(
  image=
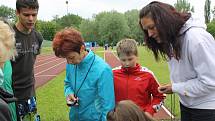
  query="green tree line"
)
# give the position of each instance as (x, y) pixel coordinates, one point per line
(106, 27)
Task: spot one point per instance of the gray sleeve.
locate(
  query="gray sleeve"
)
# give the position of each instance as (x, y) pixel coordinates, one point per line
(203, 62)
(40, 40)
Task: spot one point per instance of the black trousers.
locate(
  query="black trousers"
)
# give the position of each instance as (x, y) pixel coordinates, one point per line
(189, 114)
(5, 114)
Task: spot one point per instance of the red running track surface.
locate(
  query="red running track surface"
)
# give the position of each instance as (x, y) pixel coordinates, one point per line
(47, 67)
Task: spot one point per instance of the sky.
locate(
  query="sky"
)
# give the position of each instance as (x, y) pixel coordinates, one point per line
(86, 8)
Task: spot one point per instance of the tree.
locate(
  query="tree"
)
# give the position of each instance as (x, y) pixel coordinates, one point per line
(183, 6)
(69, 20)
(112, 27)
(211, 28)
(47, 29)
(7, 13)
(97, 18)
(135, 31)
(88, 30)
(213, 13)
(207, 10)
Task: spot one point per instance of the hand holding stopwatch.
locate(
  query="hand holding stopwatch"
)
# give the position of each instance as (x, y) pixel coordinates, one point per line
(72, 103)
(72, 100)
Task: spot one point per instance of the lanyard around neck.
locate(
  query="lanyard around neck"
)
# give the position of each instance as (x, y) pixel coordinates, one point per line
(76, 93)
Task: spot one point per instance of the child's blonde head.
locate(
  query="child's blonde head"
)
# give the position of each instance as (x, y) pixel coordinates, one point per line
(127, 47)
(7, 42)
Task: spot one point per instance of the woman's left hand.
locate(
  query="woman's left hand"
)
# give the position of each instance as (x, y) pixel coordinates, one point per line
(166, 89)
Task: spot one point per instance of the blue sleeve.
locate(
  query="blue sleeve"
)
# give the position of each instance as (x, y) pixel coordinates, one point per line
(106, 92)
(67, 82)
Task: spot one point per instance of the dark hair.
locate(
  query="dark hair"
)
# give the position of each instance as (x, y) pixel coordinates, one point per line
(168, 23)
(27, 4)
(67, 40)
(127, 111)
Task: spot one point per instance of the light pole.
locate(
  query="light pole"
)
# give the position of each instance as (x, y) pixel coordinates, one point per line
(67, 6)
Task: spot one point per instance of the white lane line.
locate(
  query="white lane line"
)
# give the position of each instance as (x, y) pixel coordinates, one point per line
(167, 111)
(45, 59)
(112, 52)
(47, 63)
(45, 75)
(44, 56)
(49, 68)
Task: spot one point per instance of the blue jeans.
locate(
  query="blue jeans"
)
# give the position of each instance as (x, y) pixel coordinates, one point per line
(26, 110)
(189, 114)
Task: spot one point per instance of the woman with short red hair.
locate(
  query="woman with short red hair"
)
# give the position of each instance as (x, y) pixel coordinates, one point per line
(89, 80)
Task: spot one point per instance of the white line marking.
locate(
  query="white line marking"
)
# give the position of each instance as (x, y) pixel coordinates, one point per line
(47, 63)
(49, 68)
(45, 75)
(167, 111)
(45, 59)
(114, 55)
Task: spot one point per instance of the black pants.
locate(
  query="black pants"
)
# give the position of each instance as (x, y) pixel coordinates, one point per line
(189, 114)
(5, 114)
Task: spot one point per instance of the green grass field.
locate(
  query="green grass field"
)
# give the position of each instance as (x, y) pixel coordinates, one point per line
(51, 100)
(99, 51)
(46, 47)
(47, 43)
(46, 50)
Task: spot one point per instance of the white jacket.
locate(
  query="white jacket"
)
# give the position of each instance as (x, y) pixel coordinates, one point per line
(193, 76)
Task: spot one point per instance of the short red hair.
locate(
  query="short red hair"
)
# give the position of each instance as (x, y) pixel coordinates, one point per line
(67, 40)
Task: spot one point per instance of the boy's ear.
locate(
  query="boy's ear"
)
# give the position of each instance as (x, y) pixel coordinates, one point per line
(17, 12)
(83, 48)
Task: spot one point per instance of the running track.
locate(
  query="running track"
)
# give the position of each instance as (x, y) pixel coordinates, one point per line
(47, 67)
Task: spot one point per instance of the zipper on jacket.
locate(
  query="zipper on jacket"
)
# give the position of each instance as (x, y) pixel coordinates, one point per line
(76, 113)
(127, 84)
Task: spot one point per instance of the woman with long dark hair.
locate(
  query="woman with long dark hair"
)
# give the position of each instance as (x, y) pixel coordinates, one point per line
(182, 40)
